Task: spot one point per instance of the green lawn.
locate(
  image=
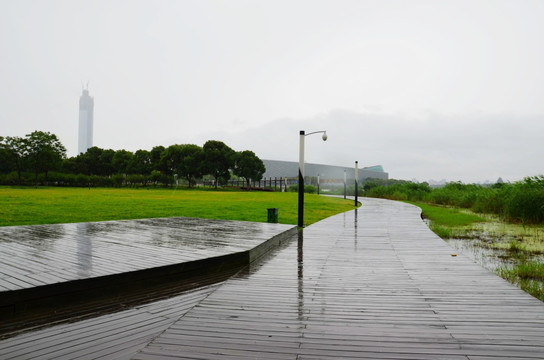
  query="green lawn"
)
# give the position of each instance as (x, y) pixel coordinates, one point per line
(52, 205)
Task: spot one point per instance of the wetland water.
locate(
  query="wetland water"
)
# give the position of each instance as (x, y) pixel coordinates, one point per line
(491, 259)
(512, 251)
(490, 251)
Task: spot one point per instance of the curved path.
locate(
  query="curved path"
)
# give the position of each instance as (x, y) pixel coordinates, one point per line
(371, 283)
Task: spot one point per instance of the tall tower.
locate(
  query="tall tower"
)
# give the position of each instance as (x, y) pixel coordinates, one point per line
(86, 106)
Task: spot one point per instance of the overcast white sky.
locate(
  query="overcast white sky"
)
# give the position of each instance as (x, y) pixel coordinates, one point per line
(429, 89)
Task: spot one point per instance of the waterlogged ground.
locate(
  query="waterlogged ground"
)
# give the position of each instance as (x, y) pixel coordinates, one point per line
(517, 237)
(488, 258)
(503, 248)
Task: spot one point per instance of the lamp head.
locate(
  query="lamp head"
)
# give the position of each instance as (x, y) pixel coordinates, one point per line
(324, 137)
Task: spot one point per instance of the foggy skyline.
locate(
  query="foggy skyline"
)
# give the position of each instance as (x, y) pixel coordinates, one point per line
(429, 89)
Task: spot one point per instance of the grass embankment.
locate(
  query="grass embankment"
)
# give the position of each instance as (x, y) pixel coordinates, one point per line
(26, 206)
(521, 242)
(449, 222)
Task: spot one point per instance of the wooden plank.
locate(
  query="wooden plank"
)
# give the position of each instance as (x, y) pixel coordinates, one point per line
(102, 337)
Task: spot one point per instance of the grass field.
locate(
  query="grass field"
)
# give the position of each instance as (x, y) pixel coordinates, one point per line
(26, 206)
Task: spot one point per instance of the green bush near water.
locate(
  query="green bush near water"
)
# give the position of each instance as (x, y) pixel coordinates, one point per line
(519, 202)
(398, 190)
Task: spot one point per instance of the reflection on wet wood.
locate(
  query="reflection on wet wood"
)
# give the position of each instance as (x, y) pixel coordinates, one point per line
(45, 254)
(116, 335)
(50, 272)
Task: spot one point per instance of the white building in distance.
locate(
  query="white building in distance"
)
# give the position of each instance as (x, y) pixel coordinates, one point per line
(331, 173)
(86, 112)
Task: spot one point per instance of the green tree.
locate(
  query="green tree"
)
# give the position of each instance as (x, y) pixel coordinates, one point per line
(6, 165)
(106, 163)
(89, 162)
(13, 154)
(191, 166)
(120, 161)
(182, 160)
(218, 160)
(156, 154)
(71, 165)
(95, 161)
(140, 163)
(44, 152)
(155, 177)
(171, 159)
(248, 166)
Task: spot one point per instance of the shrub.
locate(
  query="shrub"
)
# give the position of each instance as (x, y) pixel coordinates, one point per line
(96, 180)
(81, 180)
(134, 180)
(70, 180)
(118, 180)
(400, 191)
(308, 189)
(525, 203)
(13, 179)
(490, 200)
(519, 202)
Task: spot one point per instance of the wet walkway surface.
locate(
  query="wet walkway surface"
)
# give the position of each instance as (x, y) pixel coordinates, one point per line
(374, 283)
(51, 272)
(39, 255)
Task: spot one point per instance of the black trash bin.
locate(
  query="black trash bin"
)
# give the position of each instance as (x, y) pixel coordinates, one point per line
(273, 215)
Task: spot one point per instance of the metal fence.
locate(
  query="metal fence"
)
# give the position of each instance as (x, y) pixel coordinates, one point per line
(275, 184)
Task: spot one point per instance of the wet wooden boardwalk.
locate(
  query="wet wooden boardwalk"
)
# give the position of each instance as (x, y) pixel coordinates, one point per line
(38, 255)
(49, 272)
(374, 283)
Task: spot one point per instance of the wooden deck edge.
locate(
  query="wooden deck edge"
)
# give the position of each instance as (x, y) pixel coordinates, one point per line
(270, 244)
(48, 303)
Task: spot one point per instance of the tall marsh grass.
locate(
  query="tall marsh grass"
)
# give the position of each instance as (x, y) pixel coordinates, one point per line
(519, 202)
(528, 275)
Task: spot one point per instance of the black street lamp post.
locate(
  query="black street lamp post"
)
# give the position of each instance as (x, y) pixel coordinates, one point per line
(356, 181)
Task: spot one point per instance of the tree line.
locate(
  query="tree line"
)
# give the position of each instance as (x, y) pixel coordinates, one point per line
(40, 158)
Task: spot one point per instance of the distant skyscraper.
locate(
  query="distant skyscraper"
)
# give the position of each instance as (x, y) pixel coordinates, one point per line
(86, 106)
